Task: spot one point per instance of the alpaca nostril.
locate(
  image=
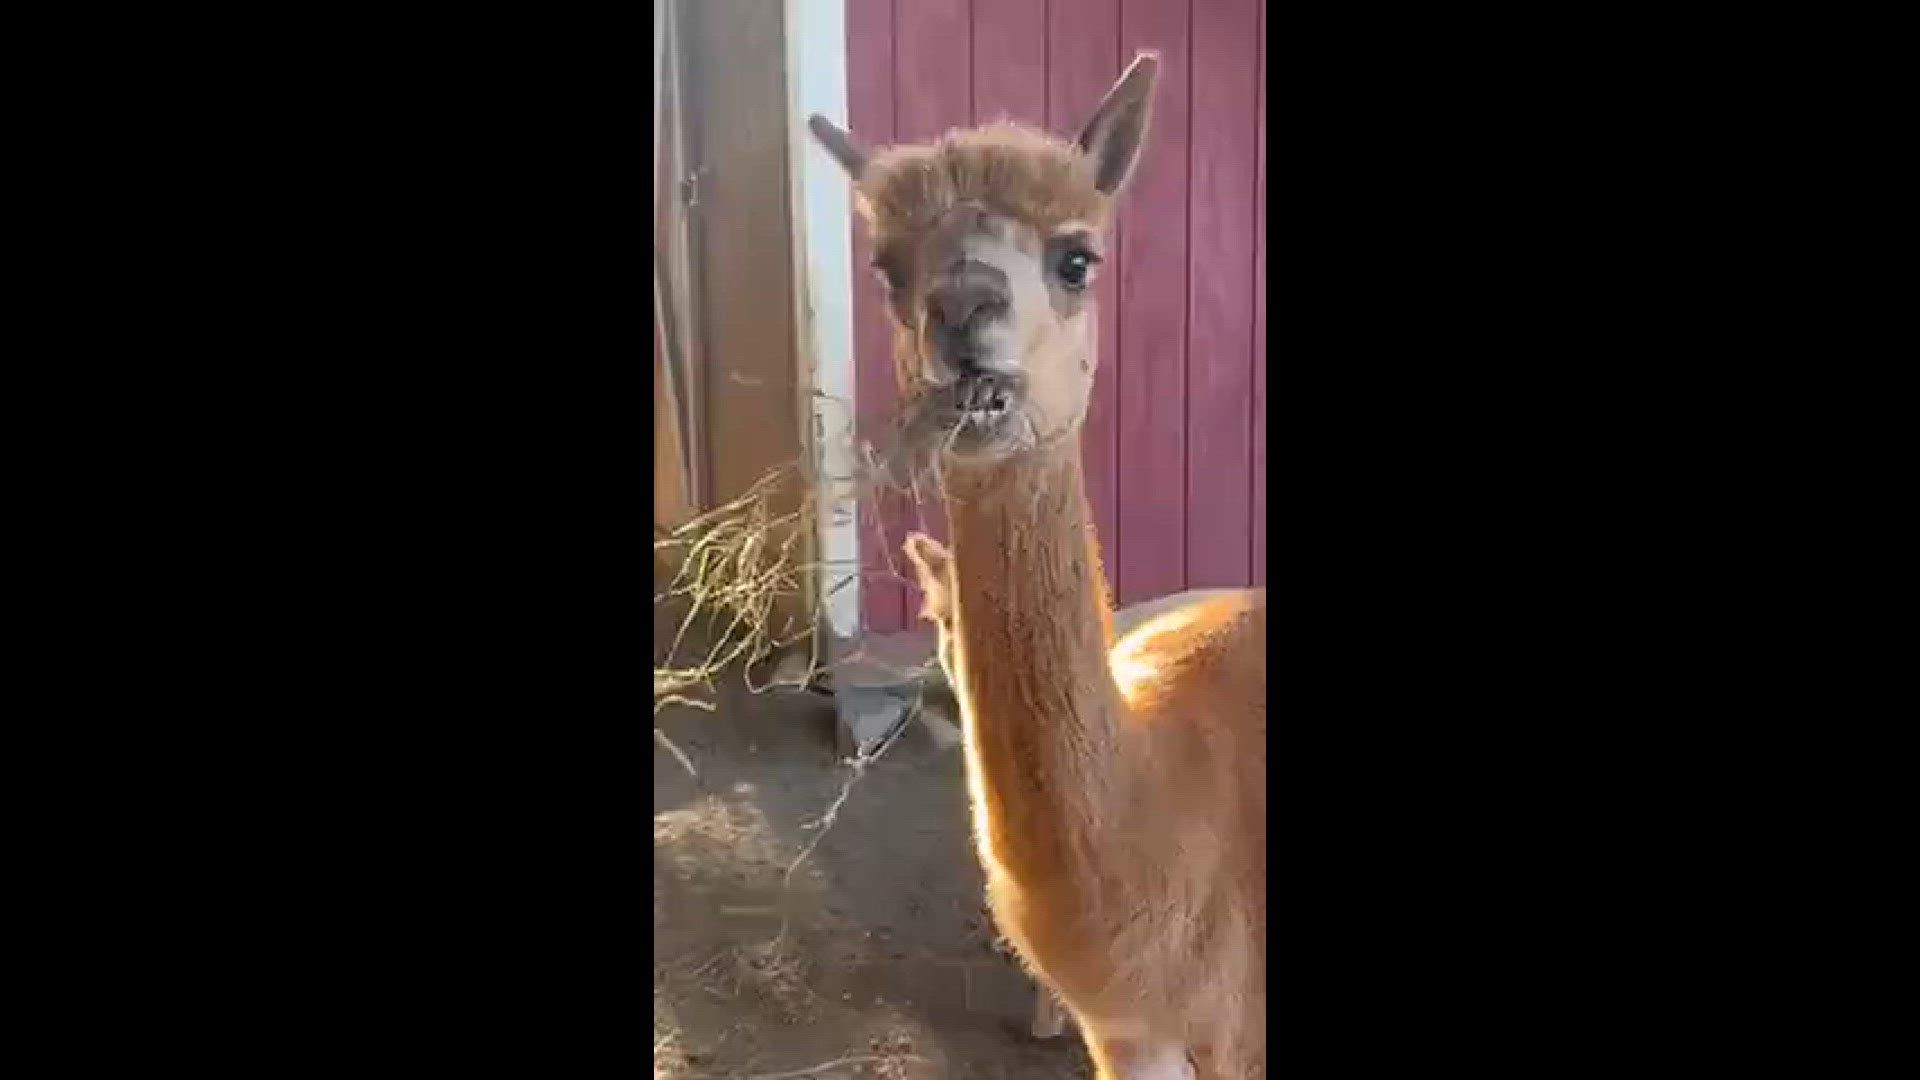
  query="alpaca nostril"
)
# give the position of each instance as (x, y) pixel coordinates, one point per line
(953, 312)
(965, 309)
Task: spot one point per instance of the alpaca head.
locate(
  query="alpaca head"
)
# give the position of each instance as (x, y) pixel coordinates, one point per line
(986, 242)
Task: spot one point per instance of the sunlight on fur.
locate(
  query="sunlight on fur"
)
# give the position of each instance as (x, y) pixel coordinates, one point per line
(1133, 660)
(1119, 797)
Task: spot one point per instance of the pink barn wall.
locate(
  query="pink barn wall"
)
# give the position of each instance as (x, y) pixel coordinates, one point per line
(1175, 439)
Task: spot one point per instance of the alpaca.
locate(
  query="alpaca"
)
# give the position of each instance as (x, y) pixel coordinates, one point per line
(931, 564)
(932, 568)
(1119, 799)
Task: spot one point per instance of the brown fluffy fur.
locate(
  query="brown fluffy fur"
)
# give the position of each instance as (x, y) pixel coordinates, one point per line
(1010, 168)
(1123, 832)
(1119, 799)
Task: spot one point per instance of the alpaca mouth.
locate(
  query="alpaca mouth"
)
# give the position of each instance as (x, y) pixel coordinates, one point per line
(982, 399)
(979, 415)
(978, 404)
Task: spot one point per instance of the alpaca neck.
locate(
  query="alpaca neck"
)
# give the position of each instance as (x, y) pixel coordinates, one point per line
(1031, 631)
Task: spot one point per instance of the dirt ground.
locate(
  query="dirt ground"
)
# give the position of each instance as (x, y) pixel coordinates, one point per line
(887, 966)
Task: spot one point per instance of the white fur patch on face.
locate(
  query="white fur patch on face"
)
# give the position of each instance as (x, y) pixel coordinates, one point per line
(1041, 343)
(1027, 290)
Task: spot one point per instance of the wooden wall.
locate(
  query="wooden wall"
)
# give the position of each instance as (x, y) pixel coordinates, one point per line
(1175, 440)
(742, 225)
(724, 239)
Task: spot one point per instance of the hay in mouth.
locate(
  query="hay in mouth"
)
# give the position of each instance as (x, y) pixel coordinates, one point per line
(936, 421)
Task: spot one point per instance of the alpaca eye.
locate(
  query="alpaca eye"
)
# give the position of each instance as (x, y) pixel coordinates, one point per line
(1074, 268)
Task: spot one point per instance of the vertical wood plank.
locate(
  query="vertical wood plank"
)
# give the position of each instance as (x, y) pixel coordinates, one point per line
(671, 505)
(1010, 61)
(1220, 254)
(870, 61)
(933, 91)
(933, 75)
(1259, 499)
(1153, 320)
(743, 225)
(1083, 60)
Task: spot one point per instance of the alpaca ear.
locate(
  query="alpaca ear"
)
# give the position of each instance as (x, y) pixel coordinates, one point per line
(930, 559)
(1112, 139)
(845, 149)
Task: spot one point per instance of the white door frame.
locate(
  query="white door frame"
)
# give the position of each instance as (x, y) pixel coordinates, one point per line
(816, 36)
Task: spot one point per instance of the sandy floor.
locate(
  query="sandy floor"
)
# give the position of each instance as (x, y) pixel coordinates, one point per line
(887, 963)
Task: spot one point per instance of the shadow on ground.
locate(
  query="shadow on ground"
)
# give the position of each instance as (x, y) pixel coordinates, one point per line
(881, 955)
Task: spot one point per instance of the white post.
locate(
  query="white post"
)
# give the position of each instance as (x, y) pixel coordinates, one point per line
(823, 296)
